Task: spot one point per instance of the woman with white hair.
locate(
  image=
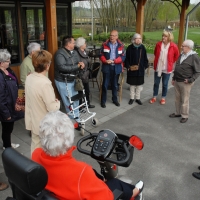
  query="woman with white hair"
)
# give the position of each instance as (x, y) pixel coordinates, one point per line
(69, 178)
(8, 97)
(80, 48)
(166, 54)
(136, 62)
(26, 66)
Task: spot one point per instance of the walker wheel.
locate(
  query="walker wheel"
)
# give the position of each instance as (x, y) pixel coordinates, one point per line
(82, 129)
(95, 122)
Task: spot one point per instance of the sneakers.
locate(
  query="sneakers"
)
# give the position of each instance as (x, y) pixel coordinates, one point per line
(14, 146)
(139, 185)
(153, 100)
(162, 101)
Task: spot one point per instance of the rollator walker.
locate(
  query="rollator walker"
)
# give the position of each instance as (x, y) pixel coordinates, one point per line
(84, 113)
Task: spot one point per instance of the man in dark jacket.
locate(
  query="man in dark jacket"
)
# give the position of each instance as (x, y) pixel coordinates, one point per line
(187, 70)
(68, 62)
(112, 57)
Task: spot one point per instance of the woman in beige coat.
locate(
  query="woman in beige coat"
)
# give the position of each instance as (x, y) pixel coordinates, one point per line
(40, 96)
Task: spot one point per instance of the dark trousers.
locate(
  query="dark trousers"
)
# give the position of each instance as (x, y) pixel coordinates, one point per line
(112, 78)
(7, 128)
(87, 93)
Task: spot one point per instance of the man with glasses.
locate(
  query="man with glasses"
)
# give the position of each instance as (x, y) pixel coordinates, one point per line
(187, 70)
(67, 61)
(112, 57)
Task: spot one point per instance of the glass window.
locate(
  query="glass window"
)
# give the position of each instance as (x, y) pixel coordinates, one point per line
(8, 31)
(62, 22)
(33, 25)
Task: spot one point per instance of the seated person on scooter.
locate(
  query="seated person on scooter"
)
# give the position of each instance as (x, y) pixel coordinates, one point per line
(69, 178)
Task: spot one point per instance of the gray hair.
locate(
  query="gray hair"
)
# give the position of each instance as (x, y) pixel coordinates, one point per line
(4, 55)
(189, 43)
(80, 42)
(56, 133)
(33, 46)
(136, 35)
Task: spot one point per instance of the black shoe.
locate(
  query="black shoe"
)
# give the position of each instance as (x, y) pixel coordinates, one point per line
(196, 175)
(183, 120)
(131, 101)
(103, 105)
(173, 115)
(138, 101)
(91, 106)
(116, 103)
(199, 167)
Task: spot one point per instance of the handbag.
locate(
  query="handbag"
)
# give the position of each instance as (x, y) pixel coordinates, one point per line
(136, 67)
(78, 86)
(20, 102)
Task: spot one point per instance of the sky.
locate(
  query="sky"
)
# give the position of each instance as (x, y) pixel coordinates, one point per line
(194, 1)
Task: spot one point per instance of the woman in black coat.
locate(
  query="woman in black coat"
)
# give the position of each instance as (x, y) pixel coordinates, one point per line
(136, 62)
(8, 96)
(80, 48)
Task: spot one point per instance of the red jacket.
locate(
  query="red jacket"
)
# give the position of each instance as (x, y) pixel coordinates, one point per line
(70, 179)
(173, 54)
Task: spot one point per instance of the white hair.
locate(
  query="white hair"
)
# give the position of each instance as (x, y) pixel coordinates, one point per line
(135, 36)
(56, 133)
(4, 55)
(189, 43)
(79, 42)
(33, 46)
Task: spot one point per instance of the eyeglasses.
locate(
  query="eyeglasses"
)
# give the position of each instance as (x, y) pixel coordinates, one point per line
(7, 61)
(183, 46)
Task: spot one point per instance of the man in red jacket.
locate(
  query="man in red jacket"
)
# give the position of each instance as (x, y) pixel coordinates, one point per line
(69, 178)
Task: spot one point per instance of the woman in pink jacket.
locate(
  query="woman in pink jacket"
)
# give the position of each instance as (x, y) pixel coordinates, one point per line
(166, 53)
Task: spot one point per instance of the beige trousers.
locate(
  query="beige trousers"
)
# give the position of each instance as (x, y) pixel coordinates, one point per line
(135, 91)
(35, 141)
(182, 95)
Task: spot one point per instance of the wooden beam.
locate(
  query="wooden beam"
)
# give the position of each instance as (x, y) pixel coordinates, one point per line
(185, 4)
(140, 16)
(51, 34)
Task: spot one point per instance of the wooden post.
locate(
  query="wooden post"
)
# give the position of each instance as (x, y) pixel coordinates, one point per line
(51, 34)
(140, 16)
(185, 4)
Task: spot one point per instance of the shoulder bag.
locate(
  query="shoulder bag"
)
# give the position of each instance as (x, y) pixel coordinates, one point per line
(136, 67)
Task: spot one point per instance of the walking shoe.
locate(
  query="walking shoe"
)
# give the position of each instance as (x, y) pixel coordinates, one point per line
(196, 175)
(139, 185)
(14, 146)
(183, 120)
(138, 101)
(173, 115)
(3, 186)
(131, 101)
(91, 106)
(116, 103)
(153, 100)
(103, 105)
(162, 101)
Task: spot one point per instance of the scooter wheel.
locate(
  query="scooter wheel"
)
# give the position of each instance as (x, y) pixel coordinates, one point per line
(82, 129)
(95, 122)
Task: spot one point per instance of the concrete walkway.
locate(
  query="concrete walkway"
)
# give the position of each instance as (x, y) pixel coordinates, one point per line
(171, 151)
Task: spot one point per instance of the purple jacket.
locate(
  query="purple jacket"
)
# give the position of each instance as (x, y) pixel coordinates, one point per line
(8, 96)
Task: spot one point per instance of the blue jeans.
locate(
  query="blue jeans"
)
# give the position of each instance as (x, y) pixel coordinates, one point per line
(107, 78)
(62, 89)
(165, 80)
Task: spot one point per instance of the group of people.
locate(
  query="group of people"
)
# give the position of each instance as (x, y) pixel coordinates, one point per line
(41, 100)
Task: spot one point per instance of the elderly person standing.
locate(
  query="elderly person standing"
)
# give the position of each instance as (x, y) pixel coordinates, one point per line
(166, 53)
(26, 66)
(112, 57)
(136, 55)
(81, 46)
(8, 97)
(40, 96)
(187, 70)
(67, 61)
(69, 178)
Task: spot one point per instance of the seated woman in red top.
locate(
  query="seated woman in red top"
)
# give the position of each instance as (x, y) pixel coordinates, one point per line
(69, 178)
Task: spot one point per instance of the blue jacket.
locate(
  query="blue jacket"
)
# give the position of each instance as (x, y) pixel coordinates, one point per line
(8, 96)
(105, 55)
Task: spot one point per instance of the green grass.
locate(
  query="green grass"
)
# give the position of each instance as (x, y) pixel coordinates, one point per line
(151, 38)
